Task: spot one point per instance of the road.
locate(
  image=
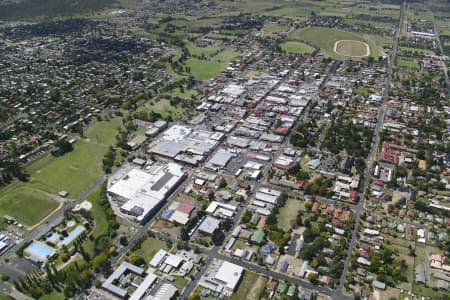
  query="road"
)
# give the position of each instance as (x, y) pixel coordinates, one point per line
(444, 65)
(214, 252)
(372, 155)
(55, 218)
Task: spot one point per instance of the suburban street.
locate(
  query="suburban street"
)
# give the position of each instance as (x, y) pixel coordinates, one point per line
(371, 157)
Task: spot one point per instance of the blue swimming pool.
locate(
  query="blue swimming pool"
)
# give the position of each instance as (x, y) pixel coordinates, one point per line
(72, 235)
(40, 251)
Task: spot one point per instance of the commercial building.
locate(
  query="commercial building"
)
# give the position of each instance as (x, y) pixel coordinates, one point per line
(185, 145)
(141, 193)
(223, 277)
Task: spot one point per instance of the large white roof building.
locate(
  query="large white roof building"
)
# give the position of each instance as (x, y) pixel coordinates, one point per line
(140, 192)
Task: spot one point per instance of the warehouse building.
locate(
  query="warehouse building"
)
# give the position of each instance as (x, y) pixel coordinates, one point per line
(139, 194)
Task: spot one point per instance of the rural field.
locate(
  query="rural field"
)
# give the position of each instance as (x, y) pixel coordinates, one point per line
(30, 202)
(326, 40)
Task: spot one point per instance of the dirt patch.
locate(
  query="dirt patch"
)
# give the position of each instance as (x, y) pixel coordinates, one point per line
(166, 227)
(256, 288)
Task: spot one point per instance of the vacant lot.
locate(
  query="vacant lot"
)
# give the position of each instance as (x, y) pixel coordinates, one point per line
(149, 248)
(245, 286)
(325, 39)
(297, 47)
(288, 214)
(352, 48)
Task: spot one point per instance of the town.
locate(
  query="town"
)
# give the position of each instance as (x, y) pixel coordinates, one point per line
(225, 150)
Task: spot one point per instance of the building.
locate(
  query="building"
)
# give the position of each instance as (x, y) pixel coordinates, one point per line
(140, 194)
(185, 145)
(209, 225)
(115, 279)
(223, 277)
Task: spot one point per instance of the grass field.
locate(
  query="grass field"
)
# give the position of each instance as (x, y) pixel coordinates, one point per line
(208, 69)
(72, 172)
(297, 47)
(288, 214)
(163, 107)
(104, 132)
(325, 39)
(207, 51)
(407, 63)
(149, 248)
(27, 205)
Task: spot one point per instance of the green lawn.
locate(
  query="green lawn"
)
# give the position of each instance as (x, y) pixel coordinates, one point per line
(207, 51)
(163, 107)
(72, 172)
(288, 214)
(325, 38)
(149, 248)
(297, 47)
(270, 28)
(104, 132)
(27, 205)
(100, 220)
(53, 296)
(208, 69)
(407, 63)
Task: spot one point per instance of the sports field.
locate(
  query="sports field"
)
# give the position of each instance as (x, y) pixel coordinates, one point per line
(30, 202)
(27, 205)
(347, 42)
(297, 47)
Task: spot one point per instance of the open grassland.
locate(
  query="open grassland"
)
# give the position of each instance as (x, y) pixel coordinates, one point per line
(208, 69)
(272, 28)
(104, 132)
(30, 202)
(407, 63)
(206, 51)
(28, 206)
(74, 171)
(325, 39)
(416, 50)
(297, 47)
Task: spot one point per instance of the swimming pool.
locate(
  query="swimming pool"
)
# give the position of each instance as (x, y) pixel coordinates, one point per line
(40, 251)
(72, 235)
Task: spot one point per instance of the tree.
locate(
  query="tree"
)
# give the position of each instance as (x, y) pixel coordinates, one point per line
(313, 278)
(217, 237)
(123, 240)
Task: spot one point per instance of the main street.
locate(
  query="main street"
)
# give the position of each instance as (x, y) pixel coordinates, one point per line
(372, 155)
